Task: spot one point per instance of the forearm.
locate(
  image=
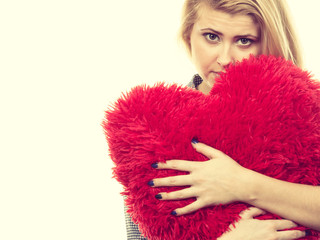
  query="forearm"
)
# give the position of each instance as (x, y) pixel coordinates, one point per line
(297, 202)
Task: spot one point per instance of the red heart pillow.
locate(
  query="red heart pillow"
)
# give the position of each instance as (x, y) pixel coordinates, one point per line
(262, 112)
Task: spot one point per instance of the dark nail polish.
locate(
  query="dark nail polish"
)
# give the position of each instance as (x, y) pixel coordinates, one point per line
(158, 196)
(194, 141)
(308, 232)
(151, 183)
(154, 165)
(174, 213)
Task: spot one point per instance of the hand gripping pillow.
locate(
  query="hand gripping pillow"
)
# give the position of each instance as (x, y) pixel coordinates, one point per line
(262, 112)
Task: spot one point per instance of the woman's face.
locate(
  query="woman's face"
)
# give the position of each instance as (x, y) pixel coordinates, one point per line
(218, 39)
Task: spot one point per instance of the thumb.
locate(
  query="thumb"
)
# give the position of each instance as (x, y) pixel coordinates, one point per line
(251, 213)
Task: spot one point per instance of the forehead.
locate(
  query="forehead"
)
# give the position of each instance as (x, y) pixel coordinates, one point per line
(238, 24)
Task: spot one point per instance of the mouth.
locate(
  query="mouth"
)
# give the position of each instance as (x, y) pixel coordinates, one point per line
(216, 74)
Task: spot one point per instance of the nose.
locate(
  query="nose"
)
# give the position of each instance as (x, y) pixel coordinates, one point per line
(225, 56)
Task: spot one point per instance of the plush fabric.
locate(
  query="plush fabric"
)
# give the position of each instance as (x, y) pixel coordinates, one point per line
(262, 112)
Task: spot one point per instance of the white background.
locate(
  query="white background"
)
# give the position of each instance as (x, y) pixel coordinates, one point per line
(62, 63)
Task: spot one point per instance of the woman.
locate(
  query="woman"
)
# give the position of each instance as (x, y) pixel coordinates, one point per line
(218, 33)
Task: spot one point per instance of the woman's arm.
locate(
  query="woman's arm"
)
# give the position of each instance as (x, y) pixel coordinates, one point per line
(298, 202)
(133, 232)
(221, 180)
(246, 228)
(249, 228)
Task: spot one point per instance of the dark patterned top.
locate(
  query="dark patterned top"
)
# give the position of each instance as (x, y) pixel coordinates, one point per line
(133, 232)
(195, 82)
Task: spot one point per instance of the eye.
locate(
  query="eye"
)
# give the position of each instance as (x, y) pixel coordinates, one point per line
(211, 37)
(245, 41)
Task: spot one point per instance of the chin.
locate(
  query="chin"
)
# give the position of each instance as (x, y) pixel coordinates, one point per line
(210, 83)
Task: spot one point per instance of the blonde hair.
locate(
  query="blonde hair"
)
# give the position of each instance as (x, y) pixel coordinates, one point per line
(277, 34)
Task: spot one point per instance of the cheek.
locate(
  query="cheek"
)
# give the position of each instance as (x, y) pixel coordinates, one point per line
(203, 57)
(256, 50)
(239, 55)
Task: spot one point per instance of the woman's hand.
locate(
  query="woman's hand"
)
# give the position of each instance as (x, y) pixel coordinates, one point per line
(212, 182)
(221, 180)
(249, 228)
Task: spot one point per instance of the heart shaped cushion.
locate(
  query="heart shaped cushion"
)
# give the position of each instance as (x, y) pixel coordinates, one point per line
(262, 112)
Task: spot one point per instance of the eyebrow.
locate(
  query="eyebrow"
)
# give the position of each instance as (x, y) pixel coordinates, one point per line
(221, 34)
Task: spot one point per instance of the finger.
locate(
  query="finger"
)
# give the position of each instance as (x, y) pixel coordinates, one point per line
(206, 150)
(282, 224)
(178, 195)
(251, 213)
(192, 207)
(180, 180)
(180, 165)
(290, 234)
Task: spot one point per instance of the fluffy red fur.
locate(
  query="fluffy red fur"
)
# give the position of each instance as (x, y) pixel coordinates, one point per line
(262, 112)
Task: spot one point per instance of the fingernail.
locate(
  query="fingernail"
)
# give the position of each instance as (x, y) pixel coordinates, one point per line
(194, 141)
(308, 232)
(174, 213)
(158, 196)
(154, 165)
(151, 183)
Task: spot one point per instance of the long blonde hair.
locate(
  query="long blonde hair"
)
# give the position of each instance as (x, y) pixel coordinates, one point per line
(277, 33)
